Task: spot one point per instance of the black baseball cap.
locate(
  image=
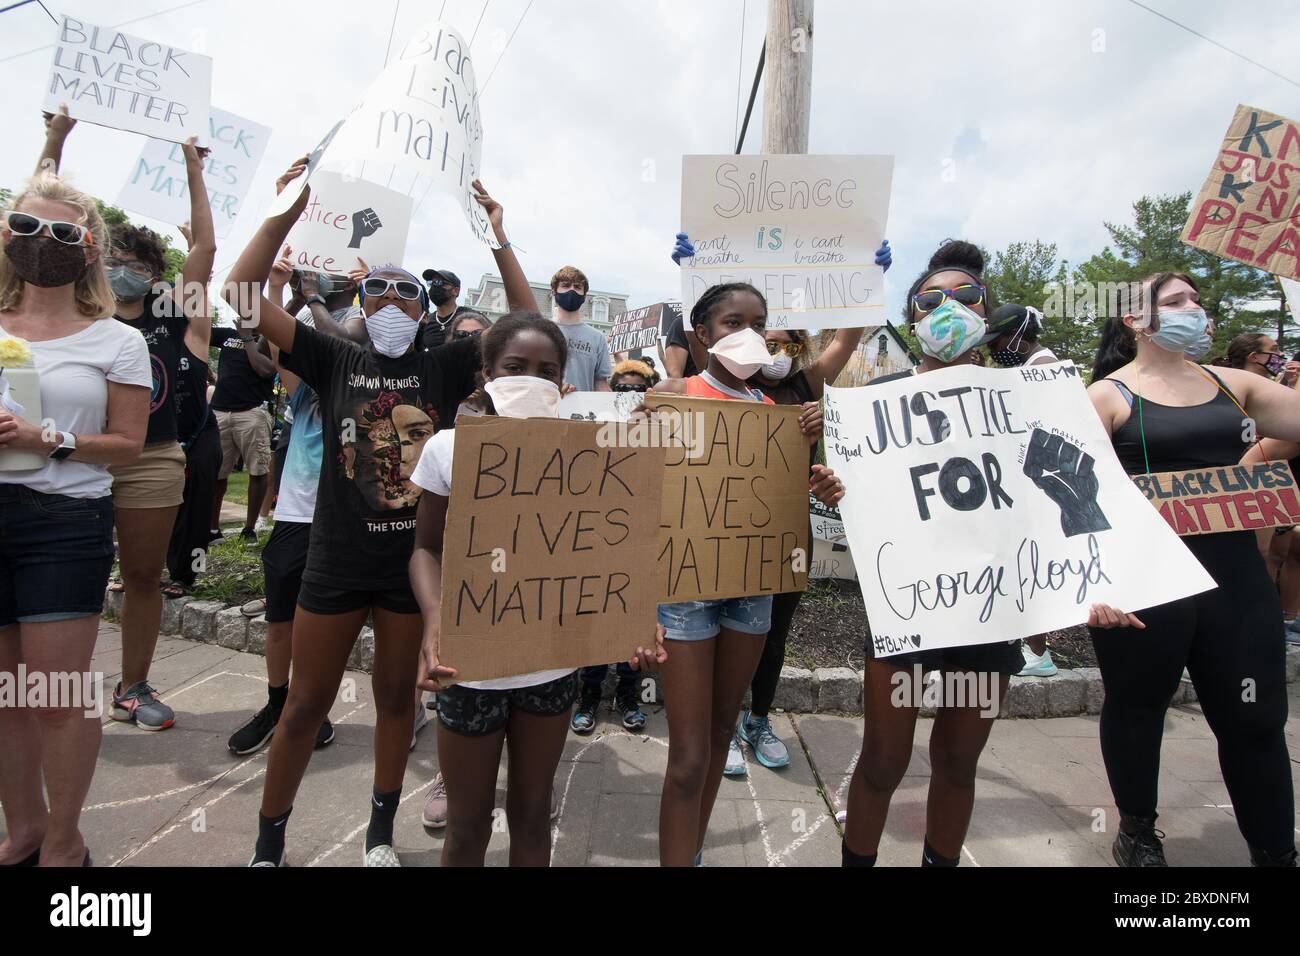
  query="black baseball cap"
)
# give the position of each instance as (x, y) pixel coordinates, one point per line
(446, 275)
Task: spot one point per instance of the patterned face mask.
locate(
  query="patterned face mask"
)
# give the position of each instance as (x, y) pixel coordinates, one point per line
(949, 331)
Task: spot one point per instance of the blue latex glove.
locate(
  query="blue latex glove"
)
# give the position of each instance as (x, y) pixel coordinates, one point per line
(684, 248)
(884, 255)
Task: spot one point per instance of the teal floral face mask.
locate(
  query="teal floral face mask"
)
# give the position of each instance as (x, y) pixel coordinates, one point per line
(949, 331)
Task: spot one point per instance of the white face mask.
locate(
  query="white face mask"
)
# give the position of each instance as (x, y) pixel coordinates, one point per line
(778, 368)
(391, 331)
(742, 353)
(524, 396)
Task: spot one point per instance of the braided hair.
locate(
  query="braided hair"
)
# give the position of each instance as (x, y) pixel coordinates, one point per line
(715, 296)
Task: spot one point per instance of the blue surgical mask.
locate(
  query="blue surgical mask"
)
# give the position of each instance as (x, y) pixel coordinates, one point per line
(127, 286)
(1200, 348)
(1180, 329)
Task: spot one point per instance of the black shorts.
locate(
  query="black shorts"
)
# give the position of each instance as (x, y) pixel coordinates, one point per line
(1001, 657)
(326, 599)
(474, 713)
(283, 560)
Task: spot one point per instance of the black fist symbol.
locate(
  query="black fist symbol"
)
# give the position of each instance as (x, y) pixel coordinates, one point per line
(1064, 473)
(364, 225)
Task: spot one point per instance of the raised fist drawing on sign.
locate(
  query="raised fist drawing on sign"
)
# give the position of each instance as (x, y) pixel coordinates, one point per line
(1064, 473)
(364, 225)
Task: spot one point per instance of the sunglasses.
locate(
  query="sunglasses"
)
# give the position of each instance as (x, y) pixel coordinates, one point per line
(931, 299)
(466, 333)
(406, 289)
(69, 233)
(629, 387)
(791, 349)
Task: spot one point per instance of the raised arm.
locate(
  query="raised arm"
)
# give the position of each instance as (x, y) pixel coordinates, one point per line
(519, 294)
(279, 277)
(57, 127)
(202, 239)
(834, 357)
(243, 287)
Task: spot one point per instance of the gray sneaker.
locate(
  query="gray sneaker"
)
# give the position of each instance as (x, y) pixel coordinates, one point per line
(435, 805)
(140, 705)
(1291, 631)
(767, 746)
(735, 765)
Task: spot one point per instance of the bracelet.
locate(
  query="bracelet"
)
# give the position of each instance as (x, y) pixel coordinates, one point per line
(505, 245)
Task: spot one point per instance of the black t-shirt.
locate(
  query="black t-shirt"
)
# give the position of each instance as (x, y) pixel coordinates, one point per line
(792, 390)
(164, 332)
(192, 412)
(677, 336)
(433, 331)
(376, 414)
(239, 387)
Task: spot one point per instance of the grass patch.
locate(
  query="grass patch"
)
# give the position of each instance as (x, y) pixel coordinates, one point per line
(234, 571)
(237, 487)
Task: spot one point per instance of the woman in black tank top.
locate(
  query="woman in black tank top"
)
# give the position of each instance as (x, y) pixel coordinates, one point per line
(1164, 414)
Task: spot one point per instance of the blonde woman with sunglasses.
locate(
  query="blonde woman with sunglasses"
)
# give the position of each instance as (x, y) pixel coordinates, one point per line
(56, 512)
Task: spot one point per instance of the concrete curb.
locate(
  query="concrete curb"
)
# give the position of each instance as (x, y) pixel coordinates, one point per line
(824, 690)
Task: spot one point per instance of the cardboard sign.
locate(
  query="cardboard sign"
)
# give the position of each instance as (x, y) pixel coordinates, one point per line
(802, 229)
(984, 505)
(735, 499)
(158, 186)
(421, 118)
(111, 78)
(1249, 207)
(549, 539)
(1232, 498)
(349, 219)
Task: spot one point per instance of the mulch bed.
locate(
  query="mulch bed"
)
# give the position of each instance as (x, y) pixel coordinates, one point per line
(830, 630)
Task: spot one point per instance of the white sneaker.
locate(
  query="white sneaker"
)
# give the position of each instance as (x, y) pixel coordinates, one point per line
(382, 855)
(263, 524)
(1036, 666)
(735, 765)
(421, 721)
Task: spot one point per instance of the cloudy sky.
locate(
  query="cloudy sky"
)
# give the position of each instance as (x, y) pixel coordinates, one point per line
(1052, 116)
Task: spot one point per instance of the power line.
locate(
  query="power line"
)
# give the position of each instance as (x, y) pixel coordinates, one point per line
(758, 75)
(480, 22)
(493, 71)
(1183, 26)
(740, 65)
(115, 26)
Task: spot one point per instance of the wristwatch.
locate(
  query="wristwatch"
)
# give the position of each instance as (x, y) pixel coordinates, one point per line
(66, 447)
(316, 298)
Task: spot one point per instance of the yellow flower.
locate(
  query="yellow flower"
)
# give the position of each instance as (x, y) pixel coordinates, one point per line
(14, 352)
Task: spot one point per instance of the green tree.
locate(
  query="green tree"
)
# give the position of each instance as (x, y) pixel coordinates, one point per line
(1028, 273)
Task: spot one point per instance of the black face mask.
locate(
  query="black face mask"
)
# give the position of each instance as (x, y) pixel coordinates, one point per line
(1007, 358)
(45, 262)
(439, 294)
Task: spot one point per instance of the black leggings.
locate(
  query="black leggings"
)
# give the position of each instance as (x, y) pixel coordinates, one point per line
(1228, 639)
(193, 525)
(762, 689)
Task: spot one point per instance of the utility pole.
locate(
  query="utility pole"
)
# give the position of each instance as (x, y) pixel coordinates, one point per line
(787, 89)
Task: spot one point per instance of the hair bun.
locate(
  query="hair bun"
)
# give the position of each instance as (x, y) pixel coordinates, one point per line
(960, 254)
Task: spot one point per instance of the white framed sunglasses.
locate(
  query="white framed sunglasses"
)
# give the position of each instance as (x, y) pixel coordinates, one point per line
(68, 233)
(377, 286)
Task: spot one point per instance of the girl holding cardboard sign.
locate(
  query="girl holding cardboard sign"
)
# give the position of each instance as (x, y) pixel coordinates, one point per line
(717, 644)
(1164, 413)
(379, 406)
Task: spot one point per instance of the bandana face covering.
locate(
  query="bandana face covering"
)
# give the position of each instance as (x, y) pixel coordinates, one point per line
(949, 331)
(45, 262)
(742, 353)
(391, 331)
(524, 396)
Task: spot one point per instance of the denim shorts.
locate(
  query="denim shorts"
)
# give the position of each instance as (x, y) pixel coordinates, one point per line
(56, 553)
(701, 620)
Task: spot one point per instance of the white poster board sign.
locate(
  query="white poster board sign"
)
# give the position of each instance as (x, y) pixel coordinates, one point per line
(115, 79)
(349, 219)
(802, 229)
(418, 127)
(985, 505)
(600, 406)
(158, 187)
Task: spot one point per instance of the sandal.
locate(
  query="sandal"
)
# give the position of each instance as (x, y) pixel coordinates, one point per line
(254, 608)
(117, 587)
(172, 589)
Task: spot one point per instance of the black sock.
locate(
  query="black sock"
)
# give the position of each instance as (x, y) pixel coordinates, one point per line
(849, 858)
(278, 696)
(383, 807)
(930, 858)
(270, 838)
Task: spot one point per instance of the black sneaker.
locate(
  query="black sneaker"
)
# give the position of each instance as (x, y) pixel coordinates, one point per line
(249, 535)
(1262, 858)
(630, 708)
(1138, 843)
(325, 734)
(584, 718)
(253, 736)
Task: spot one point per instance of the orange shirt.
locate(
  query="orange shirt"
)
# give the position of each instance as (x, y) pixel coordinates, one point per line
(697, 387)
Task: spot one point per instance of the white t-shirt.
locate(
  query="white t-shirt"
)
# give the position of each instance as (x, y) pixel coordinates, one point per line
(433, 474)
(1043, 353)
(75, 371)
